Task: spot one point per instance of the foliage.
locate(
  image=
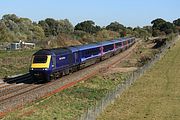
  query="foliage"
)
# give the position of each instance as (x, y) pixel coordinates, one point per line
(141, 33)
(177, 24)
(13, 28)
(53, 27)
(66, 26)
(160, 27)
(115, 26)
(88, 26)
(106, 34)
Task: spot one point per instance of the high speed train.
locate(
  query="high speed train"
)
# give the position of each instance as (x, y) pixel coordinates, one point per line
(50, 64)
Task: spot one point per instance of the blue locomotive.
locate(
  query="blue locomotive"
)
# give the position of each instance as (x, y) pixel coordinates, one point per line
(50, 64)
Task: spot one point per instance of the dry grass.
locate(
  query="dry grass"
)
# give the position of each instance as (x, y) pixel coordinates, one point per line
(155, 96)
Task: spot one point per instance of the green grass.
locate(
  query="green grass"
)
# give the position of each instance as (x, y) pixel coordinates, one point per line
(155, 96)
(70, 103)
(15, 62)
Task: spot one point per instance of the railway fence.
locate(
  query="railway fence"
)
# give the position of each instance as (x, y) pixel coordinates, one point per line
(93, 112)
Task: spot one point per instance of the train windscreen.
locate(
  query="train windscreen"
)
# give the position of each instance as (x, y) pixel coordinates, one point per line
(40, 59)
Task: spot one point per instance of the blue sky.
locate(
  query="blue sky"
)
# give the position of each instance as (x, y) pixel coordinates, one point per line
(127, 12)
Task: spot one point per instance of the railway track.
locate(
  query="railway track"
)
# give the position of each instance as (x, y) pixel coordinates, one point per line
(15, 92)
(18, 79)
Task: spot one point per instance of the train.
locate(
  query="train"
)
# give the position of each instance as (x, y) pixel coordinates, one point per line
(48, 64)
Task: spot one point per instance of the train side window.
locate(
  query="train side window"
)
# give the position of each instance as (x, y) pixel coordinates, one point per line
(124, 42)
(90, 52)
(118, 44)
(108, 47)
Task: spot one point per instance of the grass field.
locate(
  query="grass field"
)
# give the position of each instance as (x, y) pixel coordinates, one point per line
(15, 62)
(70, 103)
(155, 96)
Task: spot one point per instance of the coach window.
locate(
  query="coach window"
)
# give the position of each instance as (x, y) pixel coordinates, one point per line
(124, 42)
(119, 44)
(108, 47)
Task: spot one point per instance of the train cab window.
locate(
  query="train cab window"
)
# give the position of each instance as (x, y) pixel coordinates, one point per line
(40, 59)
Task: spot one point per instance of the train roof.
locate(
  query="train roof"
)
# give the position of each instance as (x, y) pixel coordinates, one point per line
(60, 51)
(73, 48)
(116, 40)
(54, 51)
(126, 38)
(87, 46)
(43, 52)
(106, 42)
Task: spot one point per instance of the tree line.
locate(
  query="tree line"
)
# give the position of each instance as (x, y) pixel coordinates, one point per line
(14, 28)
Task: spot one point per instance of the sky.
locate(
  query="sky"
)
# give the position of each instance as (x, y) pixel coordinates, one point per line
(127, 12)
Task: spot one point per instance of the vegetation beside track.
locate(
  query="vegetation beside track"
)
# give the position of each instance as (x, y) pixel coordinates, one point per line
(72, 102)
(155, 95)
(15, 62)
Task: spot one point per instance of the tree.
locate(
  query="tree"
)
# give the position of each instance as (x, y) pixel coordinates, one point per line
(167, 27)
(65, 26)
(157, 23)
(50, 26)
(53, 27)
(12, 17)
(16, 28)
(141, 32)
(38, 33)
(160, 27)
(115, 26)
(177, 22)
(148, 28)
(45, 27)
(88, 26)
(106, 34)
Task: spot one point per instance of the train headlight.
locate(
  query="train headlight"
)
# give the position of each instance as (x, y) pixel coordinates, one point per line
(44, 69)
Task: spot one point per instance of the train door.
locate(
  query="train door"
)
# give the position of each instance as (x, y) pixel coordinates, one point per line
(53, 62)
(76, 57)
(70, 59)
(101, 50)
(114, 46)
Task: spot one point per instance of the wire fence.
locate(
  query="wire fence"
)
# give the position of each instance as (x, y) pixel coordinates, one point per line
(93, 112)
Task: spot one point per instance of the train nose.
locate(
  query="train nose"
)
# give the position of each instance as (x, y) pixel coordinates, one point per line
(42, 62)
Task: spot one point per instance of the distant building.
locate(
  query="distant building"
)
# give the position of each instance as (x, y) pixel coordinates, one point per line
(21, 45)
(14, 46)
